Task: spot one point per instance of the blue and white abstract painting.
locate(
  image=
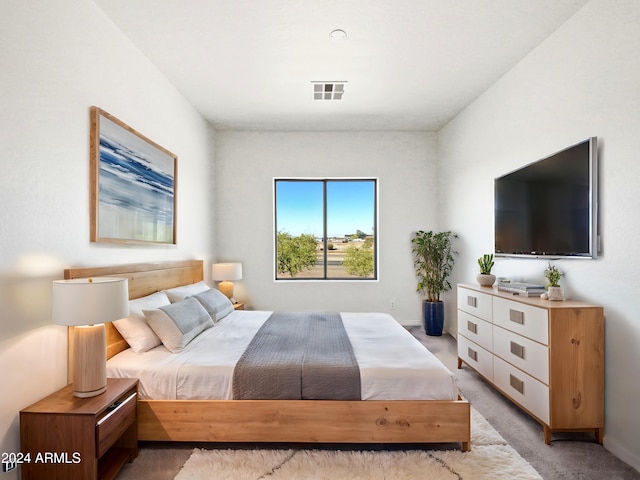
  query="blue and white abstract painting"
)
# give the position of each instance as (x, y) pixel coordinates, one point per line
(136, 188)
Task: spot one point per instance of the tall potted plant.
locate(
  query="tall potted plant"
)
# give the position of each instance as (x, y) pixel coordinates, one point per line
(433, 261)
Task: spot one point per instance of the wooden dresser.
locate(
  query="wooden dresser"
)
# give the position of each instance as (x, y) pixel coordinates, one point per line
(546, 356)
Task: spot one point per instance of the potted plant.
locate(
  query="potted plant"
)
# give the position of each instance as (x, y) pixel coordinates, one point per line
(433, 261)
(555, 291)
(484, 278)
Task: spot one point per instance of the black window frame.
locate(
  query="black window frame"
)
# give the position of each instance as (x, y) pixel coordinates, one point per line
(325, 239)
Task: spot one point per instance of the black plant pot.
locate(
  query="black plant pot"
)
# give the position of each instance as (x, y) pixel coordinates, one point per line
(433, 317)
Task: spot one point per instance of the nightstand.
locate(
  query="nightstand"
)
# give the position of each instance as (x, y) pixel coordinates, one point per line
(238, 306)
(67, 437)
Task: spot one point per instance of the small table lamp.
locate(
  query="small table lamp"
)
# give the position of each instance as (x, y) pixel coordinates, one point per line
(86, 303)
(224, 273)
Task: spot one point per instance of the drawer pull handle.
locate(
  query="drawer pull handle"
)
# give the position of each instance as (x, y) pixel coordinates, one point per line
(516, 316)
(472, 327)
(473, 355)
(115, 407)
(472, 301)
(517, 350)
(517, 384)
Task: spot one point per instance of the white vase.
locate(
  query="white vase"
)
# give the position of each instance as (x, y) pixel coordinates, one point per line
(485, 279)
(556, 293)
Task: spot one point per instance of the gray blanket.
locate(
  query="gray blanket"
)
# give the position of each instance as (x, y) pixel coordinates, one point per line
(298, 356)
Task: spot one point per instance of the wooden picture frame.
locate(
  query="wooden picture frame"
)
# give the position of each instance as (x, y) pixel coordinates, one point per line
(133, 184)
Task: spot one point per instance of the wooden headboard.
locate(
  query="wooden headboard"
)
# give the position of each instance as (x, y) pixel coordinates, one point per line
(144, 279)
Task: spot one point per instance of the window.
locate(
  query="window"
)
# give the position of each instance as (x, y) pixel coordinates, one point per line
(325, 229)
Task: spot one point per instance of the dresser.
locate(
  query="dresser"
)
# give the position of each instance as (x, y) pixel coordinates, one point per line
(545, 356)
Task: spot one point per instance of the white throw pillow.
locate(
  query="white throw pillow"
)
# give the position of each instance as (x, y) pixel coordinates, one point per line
(216, 303)
(179, 323)
(135, 329)
(180, 293)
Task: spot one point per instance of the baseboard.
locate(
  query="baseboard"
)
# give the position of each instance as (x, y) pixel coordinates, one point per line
(622, 452)
(408, 323)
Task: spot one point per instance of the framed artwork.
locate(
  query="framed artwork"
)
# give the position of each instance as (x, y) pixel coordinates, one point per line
(133, 185)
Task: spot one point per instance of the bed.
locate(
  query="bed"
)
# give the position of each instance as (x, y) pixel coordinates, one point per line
(186, 415)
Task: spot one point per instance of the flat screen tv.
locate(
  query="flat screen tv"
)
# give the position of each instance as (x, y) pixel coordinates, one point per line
(549, 208)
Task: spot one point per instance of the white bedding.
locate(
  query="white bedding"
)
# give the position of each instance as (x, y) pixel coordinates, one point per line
(393, 364)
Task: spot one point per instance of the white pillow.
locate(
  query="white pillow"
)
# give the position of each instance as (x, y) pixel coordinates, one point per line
(215, 302)
(135, 329)
(180, 293)
(179, 323)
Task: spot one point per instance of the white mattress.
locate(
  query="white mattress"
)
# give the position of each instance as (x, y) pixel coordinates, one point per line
(393, 364)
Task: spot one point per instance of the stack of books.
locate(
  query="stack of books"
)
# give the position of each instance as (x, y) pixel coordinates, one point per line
(520, 288)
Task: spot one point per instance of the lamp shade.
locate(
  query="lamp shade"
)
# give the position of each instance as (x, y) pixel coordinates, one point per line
(226, 271)
(89, 301)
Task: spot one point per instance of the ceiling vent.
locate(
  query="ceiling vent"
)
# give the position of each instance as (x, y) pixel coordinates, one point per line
(328, 90)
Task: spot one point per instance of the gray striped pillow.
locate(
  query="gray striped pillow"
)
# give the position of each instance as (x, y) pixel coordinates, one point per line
(216, 303)
(179, 323)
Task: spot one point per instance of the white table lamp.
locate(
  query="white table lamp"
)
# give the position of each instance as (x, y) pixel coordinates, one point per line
(224, 273)
(86, 303)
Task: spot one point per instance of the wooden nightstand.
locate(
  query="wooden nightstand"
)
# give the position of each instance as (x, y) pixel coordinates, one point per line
(70, 438)
(238, 306)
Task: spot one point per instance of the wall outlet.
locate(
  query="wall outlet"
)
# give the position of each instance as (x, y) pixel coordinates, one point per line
(392, 304)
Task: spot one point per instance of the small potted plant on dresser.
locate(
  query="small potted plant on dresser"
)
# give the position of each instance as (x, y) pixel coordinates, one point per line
(555, 291)
(485, 278)
(433, 261)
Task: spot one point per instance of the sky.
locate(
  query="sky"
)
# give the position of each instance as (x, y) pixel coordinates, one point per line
(350, 207)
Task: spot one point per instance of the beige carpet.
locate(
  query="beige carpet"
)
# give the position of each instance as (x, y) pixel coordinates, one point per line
(490, 458)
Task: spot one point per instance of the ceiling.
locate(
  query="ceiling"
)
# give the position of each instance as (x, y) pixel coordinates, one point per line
(407, 64)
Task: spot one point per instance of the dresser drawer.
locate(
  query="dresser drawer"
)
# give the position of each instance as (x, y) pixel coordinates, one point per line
(524, 389)
(521, 352)
(115, 421)
(476, 357)
(525, 320)
(476, 303)
(475, 329)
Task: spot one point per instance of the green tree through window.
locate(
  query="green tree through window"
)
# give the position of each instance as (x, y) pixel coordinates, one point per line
(325, 229)
(295, 254)
(359, 259)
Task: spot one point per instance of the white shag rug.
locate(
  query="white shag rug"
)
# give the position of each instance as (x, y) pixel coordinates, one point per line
(490, 458)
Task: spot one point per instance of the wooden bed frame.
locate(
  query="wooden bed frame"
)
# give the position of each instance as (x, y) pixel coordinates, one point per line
(257, 421)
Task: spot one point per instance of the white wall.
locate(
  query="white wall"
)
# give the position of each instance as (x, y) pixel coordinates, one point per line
(582, 81)
(247, 162)
(56, 60)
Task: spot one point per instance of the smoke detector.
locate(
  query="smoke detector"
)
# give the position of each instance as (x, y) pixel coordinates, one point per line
(338, 36)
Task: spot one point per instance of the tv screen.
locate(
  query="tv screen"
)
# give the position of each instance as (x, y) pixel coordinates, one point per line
(549, 207)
